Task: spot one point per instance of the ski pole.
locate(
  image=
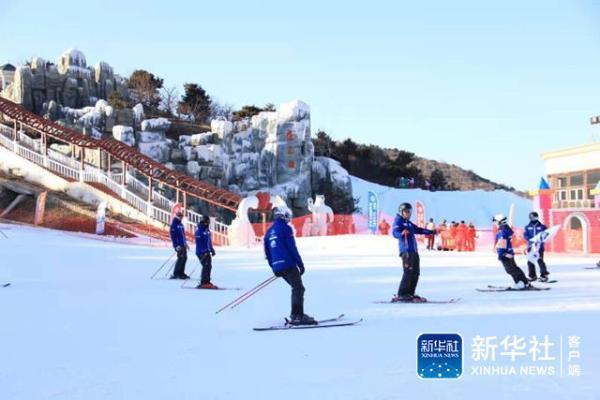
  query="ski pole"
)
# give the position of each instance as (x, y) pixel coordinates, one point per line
(162, 266)
(185, 280)
(234, 305)
(248, 294)
(3, 234)
(171, 268)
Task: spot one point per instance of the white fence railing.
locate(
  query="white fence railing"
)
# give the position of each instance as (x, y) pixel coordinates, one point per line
(135, 192)
(63, 169)
(7, 142)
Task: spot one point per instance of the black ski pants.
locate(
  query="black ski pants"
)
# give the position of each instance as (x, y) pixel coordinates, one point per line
(410, 276)
(180, 263)
(541, 263)
(511, 268)
(206, 262)
(294, 279)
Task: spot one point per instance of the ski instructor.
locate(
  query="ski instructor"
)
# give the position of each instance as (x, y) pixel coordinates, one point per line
(285, 261)
(180, 246)
(531, 230)
(404, 230)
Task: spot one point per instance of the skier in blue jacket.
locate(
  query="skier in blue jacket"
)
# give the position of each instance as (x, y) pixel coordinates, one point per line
(404, 230)
(285, 261)
(180, 245)
(205, 252)
(506, 253)
(531, 229)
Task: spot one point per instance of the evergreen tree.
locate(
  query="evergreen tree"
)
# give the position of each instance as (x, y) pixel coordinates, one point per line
(195, 102)
(144, 88)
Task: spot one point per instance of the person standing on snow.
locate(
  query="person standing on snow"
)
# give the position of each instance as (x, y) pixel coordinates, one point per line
(404, 230)
(506, 254)
(431, 226)
(461, 236)
(180, 245)
(204, 252)
(471, 236)
(531, 229)
(285, 261)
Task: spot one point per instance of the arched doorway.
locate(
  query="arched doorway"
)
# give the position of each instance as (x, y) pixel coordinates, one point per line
(575, 228)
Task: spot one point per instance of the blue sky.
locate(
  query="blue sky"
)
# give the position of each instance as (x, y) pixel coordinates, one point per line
(484, 86)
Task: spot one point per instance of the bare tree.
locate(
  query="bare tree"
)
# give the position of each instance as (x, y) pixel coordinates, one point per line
(222, 110)
(168, 99)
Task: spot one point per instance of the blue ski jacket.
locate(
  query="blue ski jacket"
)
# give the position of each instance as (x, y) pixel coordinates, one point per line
(203, 241)
(280, 247)
(505, 232)
(408, 243)
(532, 229)
(177, 232)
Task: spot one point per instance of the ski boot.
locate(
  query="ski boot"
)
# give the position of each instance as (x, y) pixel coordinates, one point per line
(418, 299)
(302, 319)
(533, 279)
(402, 299)
(207, 285)
(180, 276)
(543, 279)
(521, 286)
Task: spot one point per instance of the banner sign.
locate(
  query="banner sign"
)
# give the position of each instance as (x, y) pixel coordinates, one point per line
(373, 211)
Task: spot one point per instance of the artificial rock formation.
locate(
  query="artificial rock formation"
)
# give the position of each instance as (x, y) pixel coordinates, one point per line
(70, 82)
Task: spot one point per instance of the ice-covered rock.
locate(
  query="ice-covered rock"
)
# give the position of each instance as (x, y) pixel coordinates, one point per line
(71, 83)
(152, 140)
(221, 127)
(192, 169)
(202, 138)
(156, 124)
(138, 113)
(124, 134)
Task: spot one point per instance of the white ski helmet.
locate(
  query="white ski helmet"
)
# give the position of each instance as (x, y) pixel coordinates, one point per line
(499, 219)
(282, 212)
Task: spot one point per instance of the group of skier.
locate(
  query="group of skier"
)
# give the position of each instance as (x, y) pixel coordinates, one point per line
(285, 261)
(204, 249)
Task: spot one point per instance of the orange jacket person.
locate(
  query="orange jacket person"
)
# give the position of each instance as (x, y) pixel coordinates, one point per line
(384, 227)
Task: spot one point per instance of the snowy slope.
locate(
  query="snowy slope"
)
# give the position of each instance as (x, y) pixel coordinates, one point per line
(82, 320)
(475, 205)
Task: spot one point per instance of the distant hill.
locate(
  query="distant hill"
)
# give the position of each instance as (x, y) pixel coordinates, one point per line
(399, 168)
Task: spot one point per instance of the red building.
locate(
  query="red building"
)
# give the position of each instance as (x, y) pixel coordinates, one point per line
(570, 197)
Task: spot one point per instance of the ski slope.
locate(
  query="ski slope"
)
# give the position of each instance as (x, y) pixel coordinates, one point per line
(477, 206)
(82, 320)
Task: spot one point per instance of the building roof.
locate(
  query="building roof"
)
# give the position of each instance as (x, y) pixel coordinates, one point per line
(7, 67)
(570, 151)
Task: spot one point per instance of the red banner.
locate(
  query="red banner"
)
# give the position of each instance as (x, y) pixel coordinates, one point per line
(420, 218)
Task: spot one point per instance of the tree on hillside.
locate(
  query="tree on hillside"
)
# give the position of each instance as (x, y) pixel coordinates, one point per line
(116, 100)
(323, 144)
(144, 88)
(246, 112)
(438, 180)
(195, 102)
(220, 110)
(168, 100)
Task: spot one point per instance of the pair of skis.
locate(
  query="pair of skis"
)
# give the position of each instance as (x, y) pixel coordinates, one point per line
(492, 288)
(324, 323)
(453, 300)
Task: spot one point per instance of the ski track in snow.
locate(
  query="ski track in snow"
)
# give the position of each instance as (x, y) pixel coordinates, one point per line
(82, 320)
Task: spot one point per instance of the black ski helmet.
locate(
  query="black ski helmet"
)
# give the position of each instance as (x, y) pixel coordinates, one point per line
(205, 219)
(404, 206)
(534, 216)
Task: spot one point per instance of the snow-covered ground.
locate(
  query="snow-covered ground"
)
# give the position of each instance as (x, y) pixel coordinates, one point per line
(82, 320)
(477, 206)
